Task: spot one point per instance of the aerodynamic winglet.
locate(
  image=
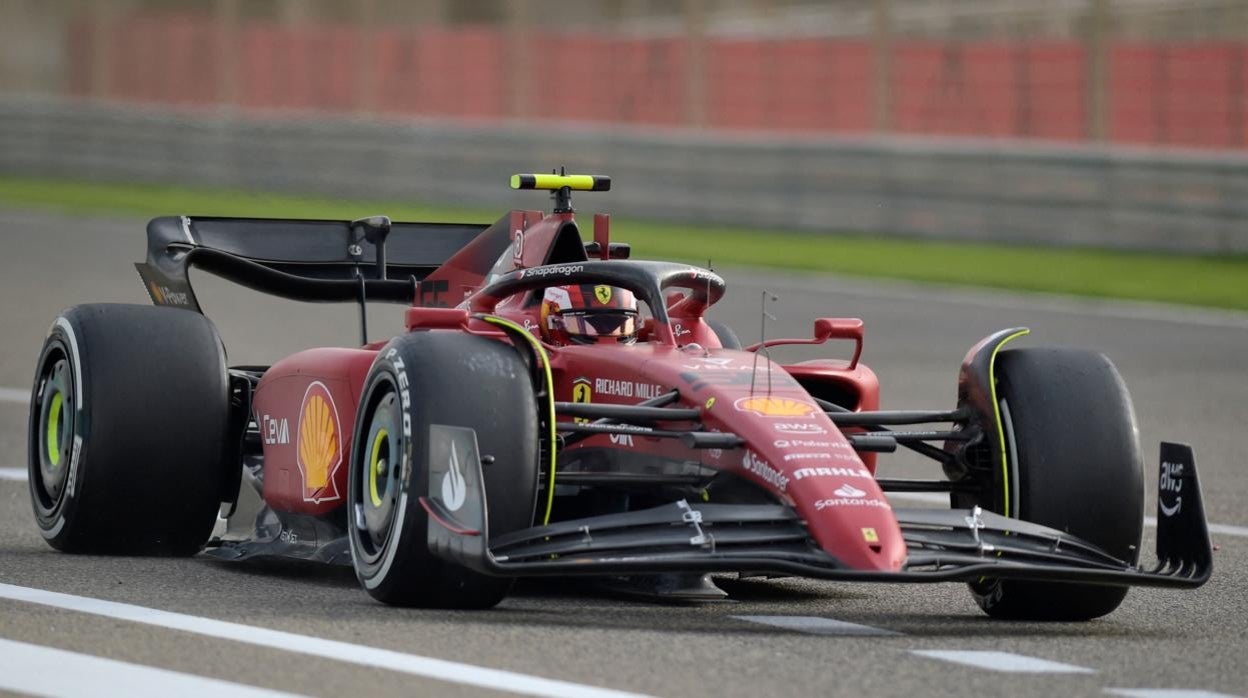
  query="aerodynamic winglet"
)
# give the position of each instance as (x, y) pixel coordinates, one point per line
(1183, 545)
(455, 500)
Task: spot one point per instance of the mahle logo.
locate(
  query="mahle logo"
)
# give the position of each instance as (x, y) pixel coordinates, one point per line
(320, 444)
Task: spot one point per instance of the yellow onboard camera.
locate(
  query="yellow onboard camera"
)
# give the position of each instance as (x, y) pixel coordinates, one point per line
(555, 182)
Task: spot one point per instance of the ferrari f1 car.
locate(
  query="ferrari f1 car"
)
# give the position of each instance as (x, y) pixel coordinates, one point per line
(475, 448)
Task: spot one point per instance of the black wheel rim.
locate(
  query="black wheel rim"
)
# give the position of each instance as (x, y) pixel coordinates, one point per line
(53, 433)
(377, 487)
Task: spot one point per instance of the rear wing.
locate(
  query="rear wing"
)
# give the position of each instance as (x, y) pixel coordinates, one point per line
(304, 260)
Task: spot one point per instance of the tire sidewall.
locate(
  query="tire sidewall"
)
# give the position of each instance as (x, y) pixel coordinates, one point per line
(56, 522)
(410, 525)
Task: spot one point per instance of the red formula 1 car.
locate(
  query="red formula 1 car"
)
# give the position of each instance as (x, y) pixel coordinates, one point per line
(555, 408)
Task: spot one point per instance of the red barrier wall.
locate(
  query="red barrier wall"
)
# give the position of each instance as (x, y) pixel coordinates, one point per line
(1189, 94)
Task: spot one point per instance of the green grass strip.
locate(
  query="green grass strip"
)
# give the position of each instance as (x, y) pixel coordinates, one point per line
(1220, 282)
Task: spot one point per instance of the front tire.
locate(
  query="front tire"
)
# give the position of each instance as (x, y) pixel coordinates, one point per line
(420, 379)
(727, 337)
(127, 430)
(1071, 433)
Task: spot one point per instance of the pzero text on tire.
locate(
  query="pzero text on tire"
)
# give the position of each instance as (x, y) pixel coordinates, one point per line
(420, 379)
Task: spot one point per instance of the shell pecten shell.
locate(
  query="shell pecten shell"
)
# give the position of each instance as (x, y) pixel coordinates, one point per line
(318, 442)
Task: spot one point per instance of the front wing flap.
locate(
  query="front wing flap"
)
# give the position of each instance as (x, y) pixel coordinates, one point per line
(943, 545)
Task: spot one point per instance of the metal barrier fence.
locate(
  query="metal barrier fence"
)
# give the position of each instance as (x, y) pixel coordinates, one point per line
(973, 190)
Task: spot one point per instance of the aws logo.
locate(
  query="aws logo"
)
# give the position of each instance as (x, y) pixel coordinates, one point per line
(320, 444)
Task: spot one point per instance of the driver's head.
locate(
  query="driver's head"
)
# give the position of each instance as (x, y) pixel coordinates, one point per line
(589, 314)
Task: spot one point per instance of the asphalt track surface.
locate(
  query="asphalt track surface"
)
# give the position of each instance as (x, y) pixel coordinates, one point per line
(1187, 370)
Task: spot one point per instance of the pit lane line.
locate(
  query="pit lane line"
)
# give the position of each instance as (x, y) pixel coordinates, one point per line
(46, 671)
(1008, 662)
(1165, 693)
(15, 395)
(19, 475)
(334, 650)
(989, 660)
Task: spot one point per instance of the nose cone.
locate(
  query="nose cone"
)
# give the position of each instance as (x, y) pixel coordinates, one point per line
(795, 451)
(847, 513)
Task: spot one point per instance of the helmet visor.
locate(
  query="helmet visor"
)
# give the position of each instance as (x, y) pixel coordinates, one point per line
(600, 323)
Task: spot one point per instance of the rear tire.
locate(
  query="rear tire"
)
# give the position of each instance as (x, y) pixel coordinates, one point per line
(1079, 469)
(427, 378)
(135, 465)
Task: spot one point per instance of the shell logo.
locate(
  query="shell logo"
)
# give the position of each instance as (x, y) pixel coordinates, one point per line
(320, 444)
(775, 407)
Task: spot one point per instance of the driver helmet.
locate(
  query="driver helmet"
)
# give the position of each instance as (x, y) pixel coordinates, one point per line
(589, 314)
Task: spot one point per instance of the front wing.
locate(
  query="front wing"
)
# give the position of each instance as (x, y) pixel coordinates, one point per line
(943, 545)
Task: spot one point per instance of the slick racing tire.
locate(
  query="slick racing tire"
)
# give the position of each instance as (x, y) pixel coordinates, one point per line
(127, 430)
(1071, 436)
(446, 378)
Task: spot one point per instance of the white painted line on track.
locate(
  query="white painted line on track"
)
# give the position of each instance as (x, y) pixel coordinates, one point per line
(18, 474)
(46, 671)
(362, 655)
(815, 625)
(15, 395)
(1165, 693)
(1150, 521)
(1003, 661)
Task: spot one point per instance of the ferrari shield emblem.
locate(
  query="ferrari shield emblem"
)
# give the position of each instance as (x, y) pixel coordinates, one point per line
(603, 294)
(582, 393)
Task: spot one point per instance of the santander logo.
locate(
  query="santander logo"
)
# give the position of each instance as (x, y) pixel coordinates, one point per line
(849, 491)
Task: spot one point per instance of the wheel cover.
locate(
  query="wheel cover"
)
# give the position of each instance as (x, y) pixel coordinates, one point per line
(378, 474)
(377, 465)
(54, 432)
